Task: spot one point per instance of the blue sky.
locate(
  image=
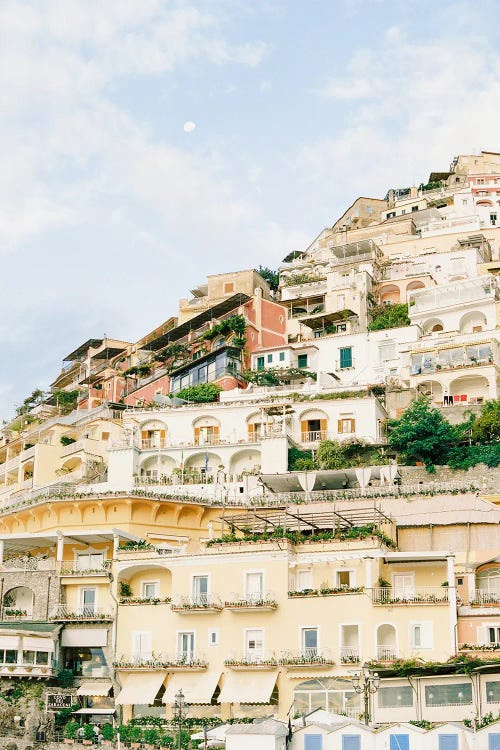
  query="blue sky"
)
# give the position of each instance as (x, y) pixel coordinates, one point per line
(110, 212)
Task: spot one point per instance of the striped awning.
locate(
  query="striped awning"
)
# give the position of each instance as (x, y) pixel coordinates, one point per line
(197, 688)
(95, 688)
(248, 687)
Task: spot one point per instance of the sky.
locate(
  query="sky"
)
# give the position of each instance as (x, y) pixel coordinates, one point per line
(110, 211)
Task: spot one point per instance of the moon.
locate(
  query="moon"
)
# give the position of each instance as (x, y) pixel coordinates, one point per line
(189, 126)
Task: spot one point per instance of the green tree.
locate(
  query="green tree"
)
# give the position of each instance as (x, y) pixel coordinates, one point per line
(389, 316)
(65, 400)
(29, 403)
(422, 433)
(203, 393)
(486, 428)
(272, 277)
(331, 455)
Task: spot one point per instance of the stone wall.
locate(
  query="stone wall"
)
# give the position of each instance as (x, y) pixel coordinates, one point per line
(482, 476)
(44, 584)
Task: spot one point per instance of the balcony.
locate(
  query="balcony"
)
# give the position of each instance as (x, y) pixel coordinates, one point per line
(254, 659)
(482, 289)
(65, 613)
(174, 663)
(86, 444)
(387, 654)
(350, 655)
(264, 602)
(12, 614)
(28, 564)
(197, 604)
(307, 657)
(149, 444)
(313, 436)
(431, 595)
(137, 600)
(479, 598)
(103, 570)
(19, 669)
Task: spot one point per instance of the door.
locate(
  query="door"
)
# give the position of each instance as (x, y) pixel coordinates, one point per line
(185, 645)
(254, 591)
(254, 644)
(310, 641)
(404, 587)
(313, 742)
(88, 600)
(200, 589)
(304, 580)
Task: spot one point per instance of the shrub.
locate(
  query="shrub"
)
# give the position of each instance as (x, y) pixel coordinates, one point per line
(65, 678)
(108, 733)
(486, 427)
(88, 732)
(389, 316)
(422, 433)
(70, 730)
(203, 393)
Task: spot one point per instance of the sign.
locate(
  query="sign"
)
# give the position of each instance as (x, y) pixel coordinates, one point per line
(58, 701)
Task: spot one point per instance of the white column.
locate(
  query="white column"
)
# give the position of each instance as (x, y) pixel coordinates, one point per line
(471, 584)
(368, 572)
(2, 544)
(452, 603)
(60, 546)
(116, 544)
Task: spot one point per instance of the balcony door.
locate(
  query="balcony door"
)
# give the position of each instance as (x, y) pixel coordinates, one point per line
(185, 645)
(254, 586)
(88, 601)
(403, 585)
(254, 644)
(200, 589)
(309, 641)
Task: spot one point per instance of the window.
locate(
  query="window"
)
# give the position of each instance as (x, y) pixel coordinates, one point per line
(400, 696)
(304, 580)
(150, 589)
(260, 363)
(391, 215)
(448, 695)
(421, 635)
(229, 287)
(351, 742)
(414, 208)
(346, 425)
(334, 694)
(28, 657)
(493, 219)
(344, 578)
(494, 741)
(448, 742)
(185, 644)
(460, 581)
(282, 356)
(399, 742)
(387, 350)
(42, 658)
(302, 361)
(141, 645)
(90, 561)
(368, 209)
(254, 586)
(345, 357)
(313, 742)
(213, 637)
(254, 643)
(493, 634)
(200, 589)
(88, 601)
(309, 641)
(269, 358)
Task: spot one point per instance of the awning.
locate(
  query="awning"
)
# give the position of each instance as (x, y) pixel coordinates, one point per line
(32, 643)
(9, 641)
(95, 711)
(84, 637)
(95, 688)
(197, 688)
(248, 687)
(140, 689)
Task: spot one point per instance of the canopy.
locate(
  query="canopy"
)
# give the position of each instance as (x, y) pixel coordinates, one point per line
(95, 711)
(140, 689)
(95, 688)
(248, 687)
(197, 688)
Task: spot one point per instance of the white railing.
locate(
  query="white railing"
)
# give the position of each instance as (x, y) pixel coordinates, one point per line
(484, 597)
(387, 653)
(313, 436)
(251, 599)
(404, 490)
(251, 657)
(65, 612)
(197, 601)
(451, 295)
(153, 443)
(307, 656)
(71, 570)
(153, 660)
(428, 595)
(350, 655)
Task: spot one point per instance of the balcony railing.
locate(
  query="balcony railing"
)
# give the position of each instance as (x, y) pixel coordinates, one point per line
(252, 658)
(197, 603)
(25, 563)
(242, 602)
(350, 655)
(154, 443)
(313, 436)
(102, 570)
(64, 612)
(430, 595)
(307, 657)
(387, 653)
(479, 598)
(180, 661)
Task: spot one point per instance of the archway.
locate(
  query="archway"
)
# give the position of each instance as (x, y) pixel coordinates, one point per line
(470, 389)
(18, 600)
(390, 294)
(157, 467)
(313, 425)
(473, 322)
(433, 325)
(245, 461)
(203, 466)
(386, 642)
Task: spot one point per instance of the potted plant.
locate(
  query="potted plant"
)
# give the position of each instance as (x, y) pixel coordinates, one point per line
(88, 734)
(166, 742)
(151, 737)
(108, 734)
(135, 737)
(70, 730)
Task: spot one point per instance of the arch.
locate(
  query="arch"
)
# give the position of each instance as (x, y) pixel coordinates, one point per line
(20, 598)
(219, 342)
(189, 516)
(245, 461)
(432, 388)
(473, 322)
(488, 578)
(386, 642)
(389, 294)
(470, 388)
(204, 462)
(93, 513)
(134, 576)
(206, 421)
(313, 414)
(413, 285)
(155, 466)
(153, 425)
(487, 203)
(71, 465)
(27, 470)
(433, 325)
(313, 425)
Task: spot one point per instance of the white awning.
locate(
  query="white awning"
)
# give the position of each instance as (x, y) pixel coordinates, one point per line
(197, 688)
(32, 643)
(9, 641)
(84, 637)
(95, 711)
(248, 687)
(95, 688)
(140, 689)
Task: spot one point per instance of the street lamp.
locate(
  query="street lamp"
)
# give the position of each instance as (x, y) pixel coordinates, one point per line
(366, 683)
(180, 710)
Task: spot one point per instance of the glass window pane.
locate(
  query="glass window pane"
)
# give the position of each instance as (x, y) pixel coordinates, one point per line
(28, 657)
(493, 692)
(395, 697)
(42, 657)
(448, 695)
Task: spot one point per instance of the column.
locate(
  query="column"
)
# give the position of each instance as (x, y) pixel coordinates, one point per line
(60, 547)
(116, 544)
(2, 545)
(452, 603)
(368, 572)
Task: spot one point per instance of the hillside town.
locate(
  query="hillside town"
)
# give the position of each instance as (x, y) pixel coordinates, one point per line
(275, 518)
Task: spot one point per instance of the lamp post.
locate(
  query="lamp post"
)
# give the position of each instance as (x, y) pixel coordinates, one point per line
(180, 710)
(366, 683)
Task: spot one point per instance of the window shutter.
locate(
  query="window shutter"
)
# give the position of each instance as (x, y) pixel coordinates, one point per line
(323, 428)
(353, 425)
(144, 434)
(304, 429)
(351, 742)
(216, 433)
(251, 432)
(196, 435)
(339, 426)
(163, 434)
(427, 634)
(482, 635)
